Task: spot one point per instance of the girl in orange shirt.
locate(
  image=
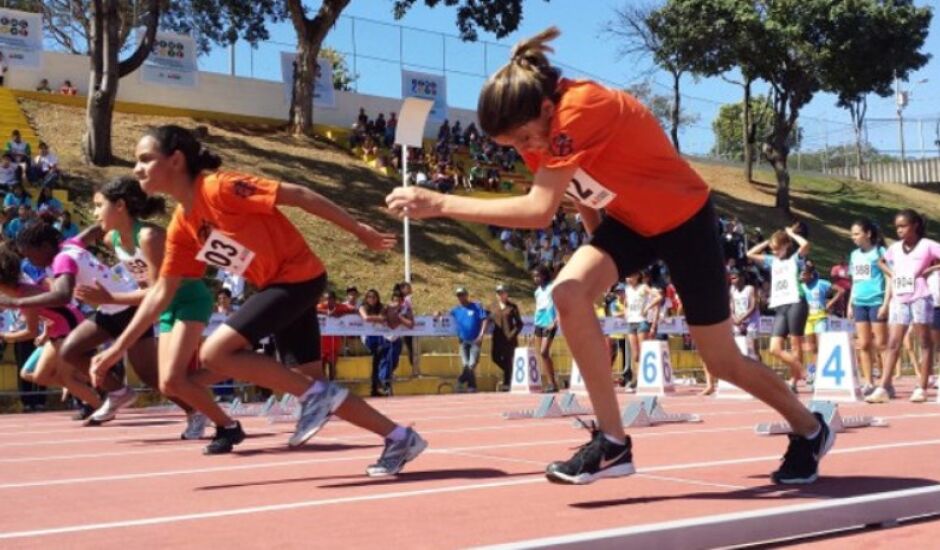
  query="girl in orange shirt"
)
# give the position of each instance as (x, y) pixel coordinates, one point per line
(606, 151)
(231, 221)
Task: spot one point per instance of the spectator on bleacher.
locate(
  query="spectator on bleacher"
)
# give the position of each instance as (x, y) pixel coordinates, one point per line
(456, 134)
(68, 89)
(66, 227)
(443, 132)
(332, 345)
(471, 321)
(839, 276)
(546, 254)
(411, 344)
(379, 127)
(10, 172)
(507, 324)
(223, 308)
(546, 323)
(47, 206)
(4, 68)
(17, 197)
(397, 315)
(477, 176)
(352, 297)
(44, 86)
(234, 283)
(17, 224)
(373, 311)
(471, 135)
(19, 150)
(390, 126)
(442, 181)
(45, 170)
(362, 119)
(369, 147)
(421, 179)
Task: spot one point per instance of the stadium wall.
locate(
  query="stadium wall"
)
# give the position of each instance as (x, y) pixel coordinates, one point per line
(216, 92)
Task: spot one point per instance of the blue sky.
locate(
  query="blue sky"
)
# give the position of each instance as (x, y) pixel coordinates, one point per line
(581, 49)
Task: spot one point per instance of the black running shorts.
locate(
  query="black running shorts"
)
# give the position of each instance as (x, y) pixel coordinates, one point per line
(692, 252)
(288, 312)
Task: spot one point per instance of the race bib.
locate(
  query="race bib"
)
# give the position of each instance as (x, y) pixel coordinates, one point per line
(861, 272)
(588, 191)
(783, 277)
(225, 253)
(903, 284)
(740, 305)
(138, 269)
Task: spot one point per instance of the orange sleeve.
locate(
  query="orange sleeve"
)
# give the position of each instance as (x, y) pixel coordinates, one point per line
(179, 256)
(243, 193)
(581, 127)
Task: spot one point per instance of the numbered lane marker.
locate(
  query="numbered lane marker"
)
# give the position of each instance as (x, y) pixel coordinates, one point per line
(576, 383)
(655, 369)
(526, 376)
(836, 374)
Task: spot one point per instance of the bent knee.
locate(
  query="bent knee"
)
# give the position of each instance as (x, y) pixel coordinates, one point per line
(570, 294)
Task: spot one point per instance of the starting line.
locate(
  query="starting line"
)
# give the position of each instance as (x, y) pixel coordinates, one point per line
(757, 526)
(830, 412)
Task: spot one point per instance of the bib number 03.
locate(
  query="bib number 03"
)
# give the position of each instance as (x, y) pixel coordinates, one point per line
(225, 253)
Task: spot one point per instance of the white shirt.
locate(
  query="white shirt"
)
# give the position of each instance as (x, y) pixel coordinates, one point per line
(8, 174)
(47, 162)
(636, 298)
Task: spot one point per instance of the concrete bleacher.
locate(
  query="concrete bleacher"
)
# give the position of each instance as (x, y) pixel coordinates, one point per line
(13, 118)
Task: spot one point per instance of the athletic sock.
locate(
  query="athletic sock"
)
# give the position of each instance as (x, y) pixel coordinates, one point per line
(317, 387)
(815, 434)
(614, 440)
(398, 434)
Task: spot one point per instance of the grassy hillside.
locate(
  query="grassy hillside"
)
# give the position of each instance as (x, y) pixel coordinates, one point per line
(447, 254)
(444, 254)
(828, 205)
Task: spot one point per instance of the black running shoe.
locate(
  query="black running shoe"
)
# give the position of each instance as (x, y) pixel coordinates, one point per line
(597, 459)
(225, 439)
(83, 412)
(801, 461)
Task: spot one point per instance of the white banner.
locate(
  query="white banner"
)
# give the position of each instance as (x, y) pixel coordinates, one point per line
(21, 38)
(172, 61)
(353, 325)
(426, 86)
(323, 94)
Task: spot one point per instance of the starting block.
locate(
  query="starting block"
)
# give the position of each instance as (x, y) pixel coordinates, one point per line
(647, 411)
(287, 410)
(547, 408)
(830, 413)
(570, 406)
(237, 409)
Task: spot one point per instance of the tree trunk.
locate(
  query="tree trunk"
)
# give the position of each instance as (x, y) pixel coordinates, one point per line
(859, 167)
(106, 73)
(783, 184)
(748, 134)
(310, 35)
(676, 109)
(301, 110)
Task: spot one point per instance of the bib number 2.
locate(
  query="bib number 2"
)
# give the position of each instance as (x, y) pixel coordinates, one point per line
(225, 253)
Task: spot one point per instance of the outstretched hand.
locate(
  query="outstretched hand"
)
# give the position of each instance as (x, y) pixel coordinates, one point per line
(94, 295)
(415, 202)
(375, 239)
(102, 363)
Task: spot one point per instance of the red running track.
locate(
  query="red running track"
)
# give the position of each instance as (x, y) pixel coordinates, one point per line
(479, 483)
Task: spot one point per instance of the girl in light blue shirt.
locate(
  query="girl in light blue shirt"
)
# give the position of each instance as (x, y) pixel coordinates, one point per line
(867, 305)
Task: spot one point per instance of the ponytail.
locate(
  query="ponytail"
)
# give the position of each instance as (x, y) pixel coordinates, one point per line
(870, 227)
(139, 205)
(513, 95)
(171, 138)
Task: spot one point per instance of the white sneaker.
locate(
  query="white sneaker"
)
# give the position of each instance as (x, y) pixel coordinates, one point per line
(880, 395)
(919, 395)
(396, 454)
(116, 400)
(195, 426)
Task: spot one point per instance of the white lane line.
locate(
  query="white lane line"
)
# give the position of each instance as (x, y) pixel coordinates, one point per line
(388, 495)
(282, 464)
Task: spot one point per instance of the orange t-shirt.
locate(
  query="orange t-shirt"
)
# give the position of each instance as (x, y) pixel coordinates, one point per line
(234, 225)
(626, 164)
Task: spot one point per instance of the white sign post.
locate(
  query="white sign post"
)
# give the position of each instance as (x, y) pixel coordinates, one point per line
(655, 376)
(576, 383)
(410, 133)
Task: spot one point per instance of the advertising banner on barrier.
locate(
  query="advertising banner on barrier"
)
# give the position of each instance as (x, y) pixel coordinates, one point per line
(353, 325)
(323, 94)
(21, 38)
(426, 86)
(172, 61)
